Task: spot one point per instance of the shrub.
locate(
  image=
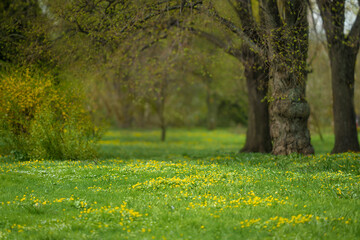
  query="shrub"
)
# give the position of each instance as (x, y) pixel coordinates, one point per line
(40, 118)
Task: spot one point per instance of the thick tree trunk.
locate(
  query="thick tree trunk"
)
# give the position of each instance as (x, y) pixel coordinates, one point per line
(289, 113)
(343, 49)
(343, 60)
(258, 131)
(288, 49)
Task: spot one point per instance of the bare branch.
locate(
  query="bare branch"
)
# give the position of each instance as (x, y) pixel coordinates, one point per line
(217, 42)
(271, 13)
(152, 15)
(238, 31)
(355, 30)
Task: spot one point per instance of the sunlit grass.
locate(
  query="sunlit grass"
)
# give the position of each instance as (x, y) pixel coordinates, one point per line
(193, 186)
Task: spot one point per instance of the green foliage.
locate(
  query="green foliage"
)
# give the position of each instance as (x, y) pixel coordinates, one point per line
(25, 33)
(40, 118)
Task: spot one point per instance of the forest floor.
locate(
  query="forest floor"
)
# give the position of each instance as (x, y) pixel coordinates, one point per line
(193, 186)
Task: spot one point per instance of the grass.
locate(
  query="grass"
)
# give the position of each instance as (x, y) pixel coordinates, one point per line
(194, 186)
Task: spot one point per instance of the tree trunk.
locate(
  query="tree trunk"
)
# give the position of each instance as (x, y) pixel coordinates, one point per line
(289, 113)
(162, 119)
(343, 60)
(258, 131)
(161, 110)
(288, 51)
(163, 133)
(211, 108)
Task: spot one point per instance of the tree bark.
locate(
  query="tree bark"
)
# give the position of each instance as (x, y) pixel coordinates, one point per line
(343, 60)
(288, 50)
(258, 132)
(289, 114)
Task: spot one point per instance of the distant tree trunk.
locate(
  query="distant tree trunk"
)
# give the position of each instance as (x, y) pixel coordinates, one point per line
(162, 121)
(161, 101)
(211, 104)
(343, 61)
(317, 125)
(163, 133)
(258, 132)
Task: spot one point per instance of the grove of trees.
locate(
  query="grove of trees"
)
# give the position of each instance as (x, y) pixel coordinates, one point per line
(196, 63)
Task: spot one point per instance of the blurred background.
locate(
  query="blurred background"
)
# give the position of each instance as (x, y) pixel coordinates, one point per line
(159, 77)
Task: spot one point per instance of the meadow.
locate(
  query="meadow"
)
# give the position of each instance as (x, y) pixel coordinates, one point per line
(193, 186)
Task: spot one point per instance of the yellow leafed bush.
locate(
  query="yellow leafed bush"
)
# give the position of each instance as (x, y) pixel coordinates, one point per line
(40, 118)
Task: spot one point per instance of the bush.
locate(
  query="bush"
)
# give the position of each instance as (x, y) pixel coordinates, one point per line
(40, 118)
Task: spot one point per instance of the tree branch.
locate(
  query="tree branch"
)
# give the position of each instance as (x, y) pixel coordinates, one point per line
(153, 42)
(233, 51)
(246, 16)
(327, 19)
(355, 30)
(271, 13)
(238, 31)
(176, 7)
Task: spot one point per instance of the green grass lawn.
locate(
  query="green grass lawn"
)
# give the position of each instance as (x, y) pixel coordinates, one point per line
(194, 186)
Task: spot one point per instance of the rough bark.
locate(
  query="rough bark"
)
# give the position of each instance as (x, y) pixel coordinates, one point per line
(289, 113)
(289, 110)
(258, 131)
(343, 60)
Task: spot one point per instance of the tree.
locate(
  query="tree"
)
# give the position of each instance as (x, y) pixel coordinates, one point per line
(111, 24)
(256, 71)
(258, 137)
(159, 77)
(287, 28)
(202, 65)
(276, 32)
(276, 46)
(343, 48)
(24, 34)
(223, 87)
